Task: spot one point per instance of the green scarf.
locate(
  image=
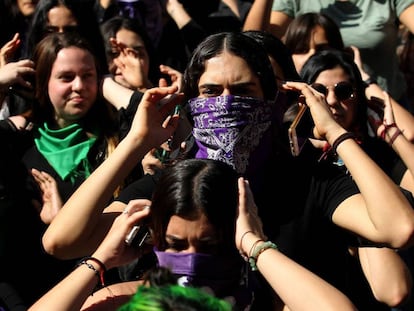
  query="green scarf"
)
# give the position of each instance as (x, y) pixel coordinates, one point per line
(65, 149)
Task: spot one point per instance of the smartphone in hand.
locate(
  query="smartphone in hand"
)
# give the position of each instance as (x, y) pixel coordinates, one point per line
(300, 129)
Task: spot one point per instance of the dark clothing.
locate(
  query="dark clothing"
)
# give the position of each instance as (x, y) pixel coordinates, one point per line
(297, 214)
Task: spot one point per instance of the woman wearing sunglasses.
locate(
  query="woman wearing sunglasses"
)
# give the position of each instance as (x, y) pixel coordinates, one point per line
(335, 75)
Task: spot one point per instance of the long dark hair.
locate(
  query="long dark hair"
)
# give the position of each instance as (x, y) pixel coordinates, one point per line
(298, 35)
(110, 27)
(87, 25)
(193, 187)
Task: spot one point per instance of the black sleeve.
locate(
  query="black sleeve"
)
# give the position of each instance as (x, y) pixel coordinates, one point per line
(126, 115)
(139, 189)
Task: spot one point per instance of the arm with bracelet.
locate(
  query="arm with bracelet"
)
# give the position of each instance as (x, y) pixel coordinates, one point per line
(85, 285)
(372, 212)
(391, 133)
(297, 287)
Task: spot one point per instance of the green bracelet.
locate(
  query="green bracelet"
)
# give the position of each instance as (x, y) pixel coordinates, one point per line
(257, 251)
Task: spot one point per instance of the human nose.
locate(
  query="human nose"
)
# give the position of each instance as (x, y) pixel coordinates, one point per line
(226, 92)
(331, 97)
(77, 83)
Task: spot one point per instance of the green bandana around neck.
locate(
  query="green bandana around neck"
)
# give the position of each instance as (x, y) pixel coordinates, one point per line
(65, 149)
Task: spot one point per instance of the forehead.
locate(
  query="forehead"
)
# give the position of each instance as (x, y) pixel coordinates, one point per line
(332, 76)
(129, 38)
(184, 228)
(227, 68)
(72, 59)
(60, 16)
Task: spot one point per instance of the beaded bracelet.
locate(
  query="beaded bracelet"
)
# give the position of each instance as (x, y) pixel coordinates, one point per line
(100, 274)
(257, 251)
(241, 244)
(341, 139)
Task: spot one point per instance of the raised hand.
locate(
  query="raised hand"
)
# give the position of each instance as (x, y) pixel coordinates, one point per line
(52, 202)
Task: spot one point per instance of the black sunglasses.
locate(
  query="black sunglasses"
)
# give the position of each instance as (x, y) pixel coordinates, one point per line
(343, 90)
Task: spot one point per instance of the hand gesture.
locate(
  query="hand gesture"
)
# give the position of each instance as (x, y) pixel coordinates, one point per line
(153, 124)
(113, 250)
(247, 219)
(8, 49)
(52, 202)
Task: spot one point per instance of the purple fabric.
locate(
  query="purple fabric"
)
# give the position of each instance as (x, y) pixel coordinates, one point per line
(148, 12)
(223, 275)
(229, 128)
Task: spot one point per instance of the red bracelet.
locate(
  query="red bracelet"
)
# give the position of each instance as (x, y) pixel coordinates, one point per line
(386, 128)
(394, 137)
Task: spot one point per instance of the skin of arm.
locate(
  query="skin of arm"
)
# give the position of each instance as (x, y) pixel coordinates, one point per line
(80, 225)
(401, 145)
(403, 117)
(279, 23)
(297, 287)
(387, 274)
(177, 12)
(380, 212)
(71, 293)
(258, 17)
(115, 93)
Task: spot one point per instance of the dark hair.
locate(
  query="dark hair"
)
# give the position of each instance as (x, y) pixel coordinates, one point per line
(300, 30)
(99, 116)
(111, 26)
(278, 51)
(238, 44)
(330, 59)
(87, 25)
(193, 187)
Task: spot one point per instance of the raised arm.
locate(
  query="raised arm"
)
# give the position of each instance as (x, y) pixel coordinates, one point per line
(279, 23)
(258, 17)
(297, 287)
(380, 213)
(72, 292)
(80, 225)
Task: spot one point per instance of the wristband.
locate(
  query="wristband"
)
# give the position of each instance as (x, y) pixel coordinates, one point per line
(341, 139)
(370, 81)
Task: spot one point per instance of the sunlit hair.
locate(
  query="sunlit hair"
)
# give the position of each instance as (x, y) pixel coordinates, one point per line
(238, 44)
(194, 187)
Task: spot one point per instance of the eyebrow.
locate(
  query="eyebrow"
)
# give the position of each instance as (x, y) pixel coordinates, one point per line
(239, 84)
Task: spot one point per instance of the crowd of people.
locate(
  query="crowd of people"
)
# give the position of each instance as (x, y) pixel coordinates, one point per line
(148, 156)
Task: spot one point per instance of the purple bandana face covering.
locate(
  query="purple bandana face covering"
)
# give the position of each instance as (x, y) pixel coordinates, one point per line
(220, 274)
(229, 128)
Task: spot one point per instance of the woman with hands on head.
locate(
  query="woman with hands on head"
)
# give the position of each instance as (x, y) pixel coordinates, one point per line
(334, 74)
(199, 241)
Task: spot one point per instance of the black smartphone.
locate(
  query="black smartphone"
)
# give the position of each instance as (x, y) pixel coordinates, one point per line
(300, 129)
(377, 105)
(137, 236)
(22, 91)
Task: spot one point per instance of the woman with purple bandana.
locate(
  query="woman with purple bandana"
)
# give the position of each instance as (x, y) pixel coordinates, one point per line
(229, 82)
(203, 223)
